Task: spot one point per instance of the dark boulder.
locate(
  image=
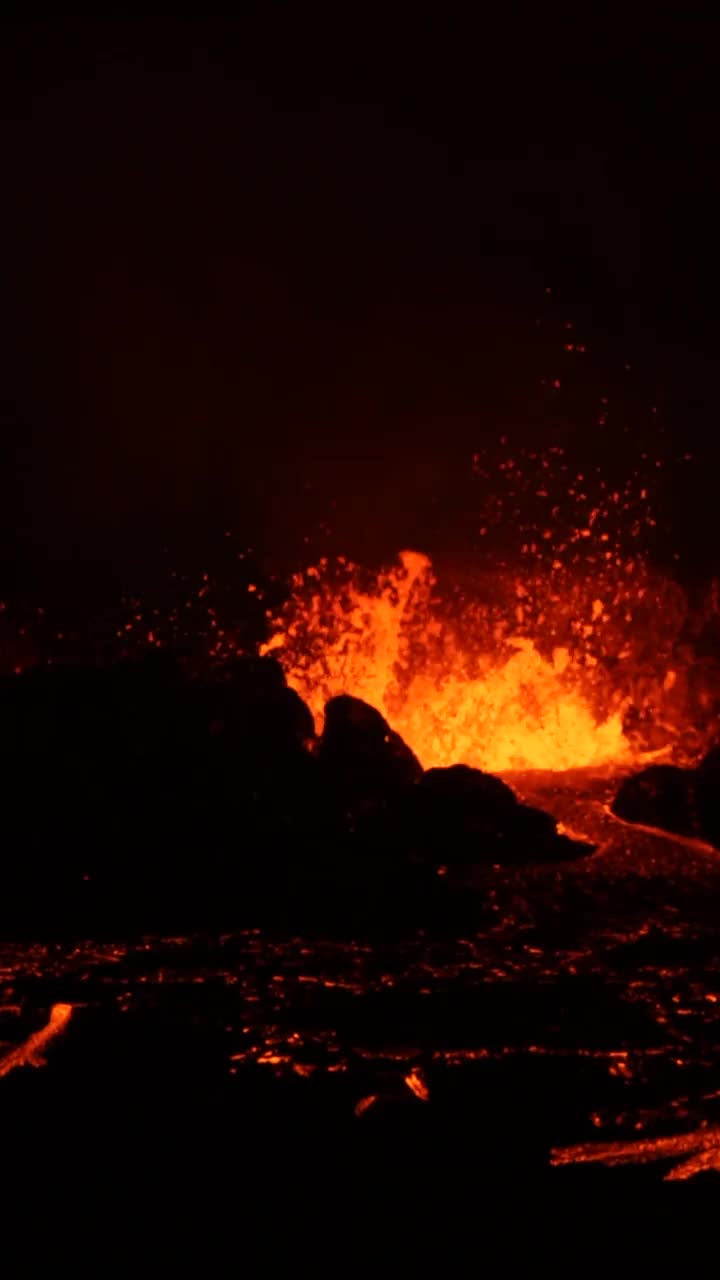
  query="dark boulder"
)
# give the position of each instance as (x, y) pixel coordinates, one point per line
(461, 815)
(475, 794)
(252, 711)
(684, 802)
(709, 767)
(363, 761)
(139, 773)
(707, 797)
(660, 796)
(254, 774)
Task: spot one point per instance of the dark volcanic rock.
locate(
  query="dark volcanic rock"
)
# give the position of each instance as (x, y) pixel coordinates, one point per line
(249, 709)
(462, 815)
(659, 796)
(707, 796)
(135, 782)
(469, 793)
(254, 706)
(138, 788)
(709, 766)
(364, 762)
(683, 801)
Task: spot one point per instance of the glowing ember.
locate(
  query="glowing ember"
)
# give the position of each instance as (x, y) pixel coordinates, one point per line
(416, 1084)
(460, 682)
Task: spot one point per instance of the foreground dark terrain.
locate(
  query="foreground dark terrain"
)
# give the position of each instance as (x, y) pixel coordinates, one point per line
(371, 986)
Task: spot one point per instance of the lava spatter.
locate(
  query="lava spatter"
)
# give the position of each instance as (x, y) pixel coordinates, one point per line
(460, 685)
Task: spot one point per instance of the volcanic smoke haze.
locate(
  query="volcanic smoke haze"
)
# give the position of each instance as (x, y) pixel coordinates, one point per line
(333, 310)
(287, 284)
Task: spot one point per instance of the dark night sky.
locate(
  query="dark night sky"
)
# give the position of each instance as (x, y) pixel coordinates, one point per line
(254, 265)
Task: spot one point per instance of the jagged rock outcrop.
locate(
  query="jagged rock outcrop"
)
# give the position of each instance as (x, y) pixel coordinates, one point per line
(682, 801)
(461, 815)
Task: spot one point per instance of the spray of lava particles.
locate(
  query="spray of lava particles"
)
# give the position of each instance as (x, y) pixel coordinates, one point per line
(567, 654)
(451, 701)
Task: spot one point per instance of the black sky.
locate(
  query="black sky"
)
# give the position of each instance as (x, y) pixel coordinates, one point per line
(256, 265)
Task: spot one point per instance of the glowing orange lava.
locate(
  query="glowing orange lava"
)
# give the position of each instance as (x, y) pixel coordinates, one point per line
(29, 1053)
(530, 676)
(698, 1152)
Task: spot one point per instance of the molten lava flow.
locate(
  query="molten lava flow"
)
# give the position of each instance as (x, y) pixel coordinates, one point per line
(698, 1152)
(457, 679)
(29, 1053)
(519, 673)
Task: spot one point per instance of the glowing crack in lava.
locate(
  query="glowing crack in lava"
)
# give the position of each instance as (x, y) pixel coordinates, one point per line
(29, 1053)
(462, 678)
(698, 1152)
